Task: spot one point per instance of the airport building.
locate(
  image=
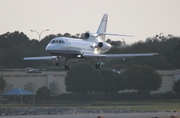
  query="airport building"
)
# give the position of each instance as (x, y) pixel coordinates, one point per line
(17, 78)
(169, 77)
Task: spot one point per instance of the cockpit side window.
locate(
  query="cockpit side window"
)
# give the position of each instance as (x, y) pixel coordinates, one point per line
(53, 41)
(61, 41)
(56, 41)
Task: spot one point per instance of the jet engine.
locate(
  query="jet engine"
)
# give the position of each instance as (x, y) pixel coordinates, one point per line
(100, 44)
(89, 34)
(104, 46)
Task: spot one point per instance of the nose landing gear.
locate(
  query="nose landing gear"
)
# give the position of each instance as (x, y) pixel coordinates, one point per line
(57, 61)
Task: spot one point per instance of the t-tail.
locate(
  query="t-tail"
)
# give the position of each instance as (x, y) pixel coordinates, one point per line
(101, 32)
(102, 27)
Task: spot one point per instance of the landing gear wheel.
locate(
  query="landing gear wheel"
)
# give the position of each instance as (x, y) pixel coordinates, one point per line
(98, 66)
(67, 67)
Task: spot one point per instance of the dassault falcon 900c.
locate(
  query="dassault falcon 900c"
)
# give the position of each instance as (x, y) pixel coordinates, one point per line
(92, 47)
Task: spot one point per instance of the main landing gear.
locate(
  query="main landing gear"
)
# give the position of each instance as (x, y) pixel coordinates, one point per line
(98, 66)
(67, 67)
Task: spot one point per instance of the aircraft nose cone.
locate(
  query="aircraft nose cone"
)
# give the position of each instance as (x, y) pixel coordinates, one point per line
(49, 48)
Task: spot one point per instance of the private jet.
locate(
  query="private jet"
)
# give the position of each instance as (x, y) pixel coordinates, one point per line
(93, 46)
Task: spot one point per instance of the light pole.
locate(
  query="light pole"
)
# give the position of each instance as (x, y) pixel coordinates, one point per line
(39, 34)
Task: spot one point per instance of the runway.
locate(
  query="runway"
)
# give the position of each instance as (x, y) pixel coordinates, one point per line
(106, 115)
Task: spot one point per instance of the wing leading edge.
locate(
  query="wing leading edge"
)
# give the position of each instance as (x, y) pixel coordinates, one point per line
(40, 58)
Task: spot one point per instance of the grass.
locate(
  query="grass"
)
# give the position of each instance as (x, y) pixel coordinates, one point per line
(143, 106)
(14, 105)
(133, 106)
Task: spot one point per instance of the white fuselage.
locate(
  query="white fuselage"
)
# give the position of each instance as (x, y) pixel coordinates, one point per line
(73, 46)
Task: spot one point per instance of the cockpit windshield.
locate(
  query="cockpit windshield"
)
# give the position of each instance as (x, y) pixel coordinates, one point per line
(57, 41)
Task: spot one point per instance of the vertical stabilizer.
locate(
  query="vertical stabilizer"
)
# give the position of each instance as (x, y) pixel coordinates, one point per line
(103, 26)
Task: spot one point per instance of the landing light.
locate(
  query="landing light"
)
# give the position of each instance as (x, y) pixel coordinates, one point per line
(78, 55)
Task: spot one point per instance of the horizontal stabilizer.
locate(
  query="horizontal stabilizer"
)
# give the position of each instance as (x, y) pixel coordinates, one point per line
(40, 58)
(115, 34)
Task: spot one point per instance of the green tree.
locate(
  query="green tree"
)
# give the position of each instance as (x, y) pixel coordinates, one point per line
(142, 78)
(44, 91)
(30, 86)
(109, 81)
(121, 82)
(114, 43)
(67, 35)
(83, 78)
(2, 84)
(176, 87)
(8, 87)
(54, 87)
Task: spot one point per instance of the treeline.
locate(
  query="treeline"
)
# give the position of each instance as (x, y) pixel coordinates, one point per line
(167, 47)
(16, 45)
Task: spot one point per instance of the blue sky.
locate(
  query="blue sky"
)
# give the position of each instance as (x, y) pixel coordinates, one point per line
(142, 18)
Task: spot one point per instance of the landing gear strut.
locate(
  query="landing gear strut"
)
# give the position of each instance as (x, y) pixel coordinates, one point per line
(98, 66)
(57, 61)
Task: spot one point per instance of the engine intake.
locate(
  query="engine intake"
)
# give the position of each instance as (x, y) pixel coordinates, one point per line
(100, 44)
(86, 35)
(89, 34)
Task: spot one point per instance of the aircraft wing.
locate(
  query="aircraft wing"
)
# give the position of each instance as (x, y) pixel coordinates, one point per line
(40, 58)
(117, 56)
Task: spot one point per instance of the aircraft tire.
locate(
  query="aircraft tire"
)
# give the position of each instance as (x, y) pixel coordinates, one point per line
(67, 67)
(98, 66)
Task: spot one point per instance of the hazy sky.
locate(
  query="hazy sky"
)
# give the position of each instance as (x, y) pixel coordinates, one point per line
(142, 18)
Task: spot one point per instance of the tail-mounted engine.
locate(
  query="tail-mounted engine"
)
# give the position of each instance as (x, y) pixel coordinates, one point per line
(89, 34)
(103, 46)
(100, 44)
